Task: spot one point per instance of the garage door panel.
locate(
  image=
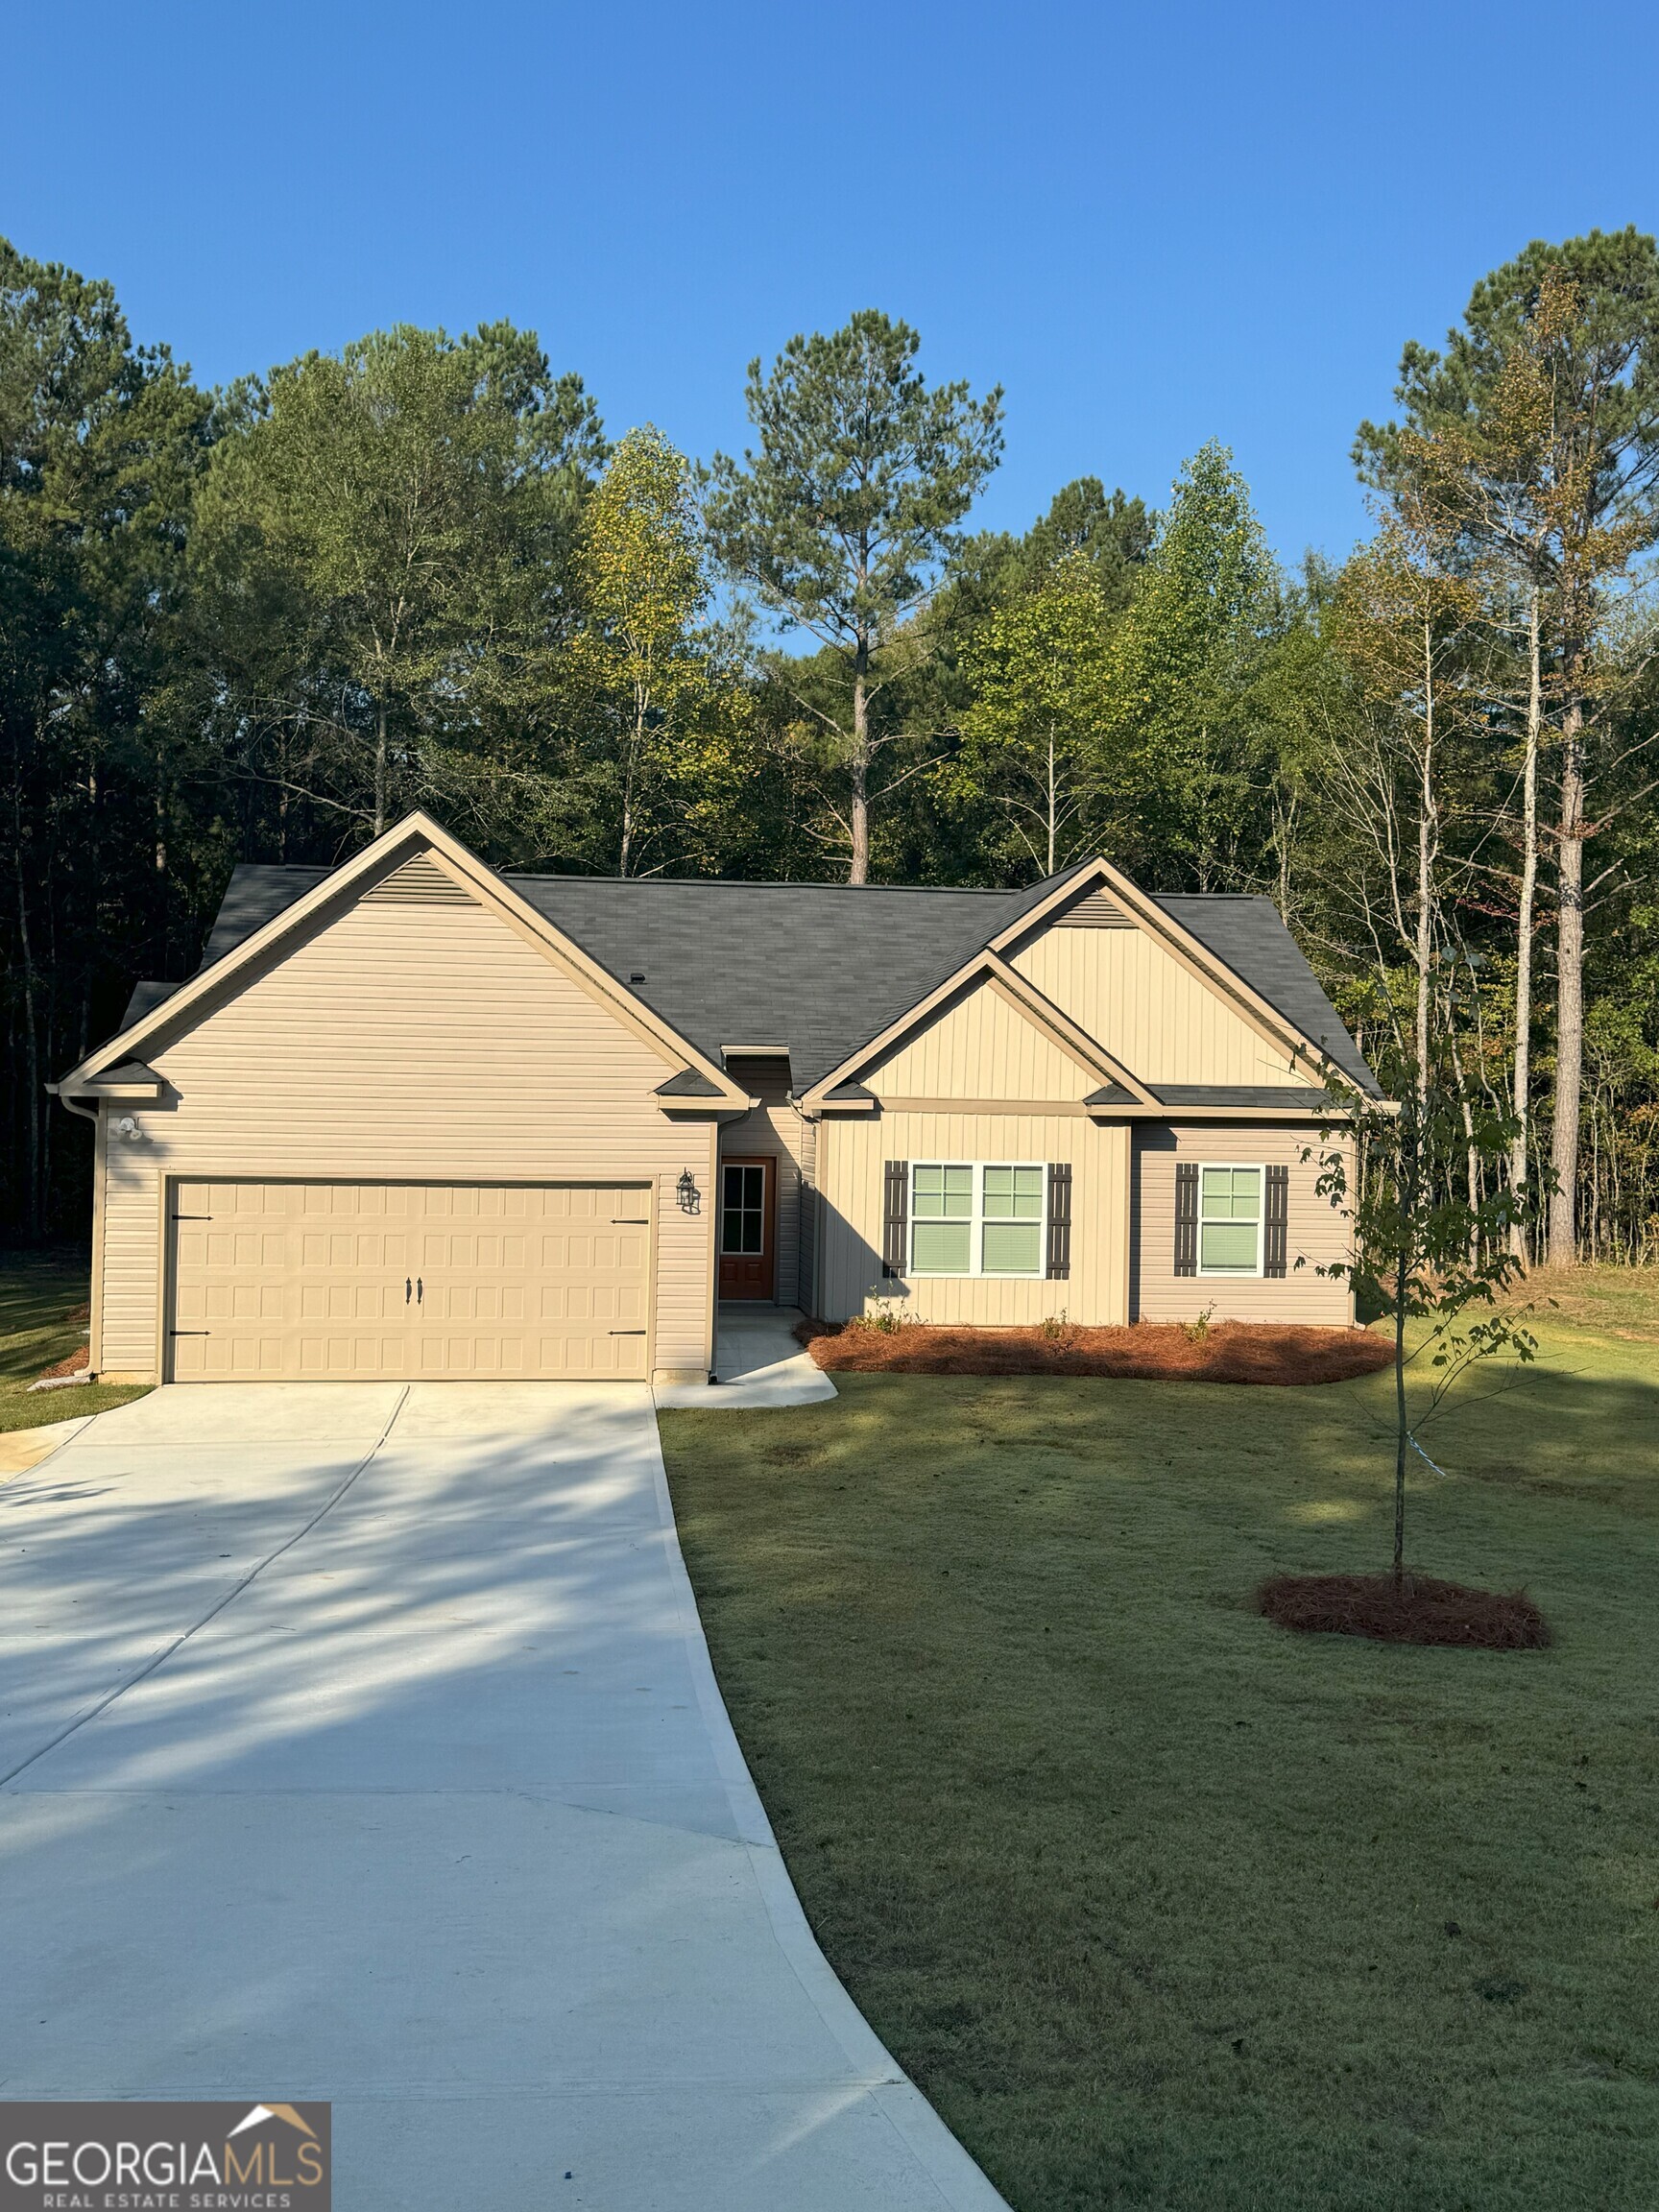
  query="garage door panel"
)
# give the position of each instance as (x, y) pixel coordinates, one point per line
(313, 1280)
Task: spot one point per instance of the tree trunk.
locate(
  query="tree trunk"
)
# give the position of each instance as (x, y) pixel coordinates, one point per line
(1402, 1430)
(381, 768)
(1426, 849)
(1569, 993)
(634, 750)
(859, 870)
(1052, 805)
(1522, 1093)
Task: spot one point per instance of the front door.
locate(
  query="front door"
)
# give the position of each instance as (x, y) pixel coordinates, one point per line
(748, 1267)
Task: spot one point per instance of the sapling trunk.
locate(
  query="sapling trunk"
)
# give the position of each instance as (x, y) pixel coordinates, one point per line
(1401, 1427)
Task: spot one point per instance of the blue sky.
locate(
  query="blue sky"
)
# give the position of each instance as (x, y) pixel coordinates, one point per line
(1152, 225)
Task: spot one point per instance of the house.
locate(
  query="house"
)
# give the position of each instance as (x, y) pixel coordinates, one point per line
(414, 1117)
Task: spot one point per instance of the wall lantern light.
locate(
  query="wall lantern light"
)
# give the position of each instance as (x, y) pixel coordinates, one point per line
(686, 1191)
(127, 1130)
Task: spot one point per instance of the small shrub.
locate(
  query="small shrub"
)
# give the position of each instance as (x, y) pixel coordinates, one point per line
(1197, 1332)
(884, 1315)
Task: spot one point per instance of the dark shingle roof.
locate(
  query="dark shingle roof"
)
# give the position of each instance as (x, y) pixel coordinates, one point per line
(688, 1083)
(145, 998)
(823, 967)
(1295, 1096)
(253, 897)
(1250, 936)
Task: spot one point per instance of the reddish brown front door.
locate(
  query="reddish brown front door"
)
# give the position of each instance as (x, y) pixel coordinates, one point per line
(748, 1209)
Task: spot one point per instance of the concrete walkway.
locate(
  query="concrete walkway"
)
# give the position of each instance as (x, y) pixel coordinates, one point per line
(362, 1744)
(759, 1361)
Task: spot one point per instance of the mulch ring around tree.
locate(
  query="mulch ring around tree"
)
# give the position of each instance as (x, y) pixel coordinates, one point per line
(1415, 1610)
(1148, 1352)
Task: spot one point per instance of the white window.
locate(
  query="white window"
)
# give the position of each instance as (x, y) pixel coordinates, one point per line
(974, 1218)
(1230, 1220)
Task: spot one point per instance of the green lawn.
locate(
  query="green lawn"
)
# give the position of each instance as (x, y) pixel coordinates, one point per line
(1161, 1905)
(39, 1291)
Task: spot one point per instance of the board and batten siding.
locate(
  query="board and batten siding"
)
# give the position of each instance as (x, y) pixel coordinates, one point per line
(981, 1048)
(775, 1129)
(1136, 999)
(851, 1155)
(408, 1043)
(1316, 1232)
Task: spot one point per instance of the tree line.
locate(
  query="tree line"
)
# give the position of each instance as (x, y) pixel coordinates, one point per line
(261, 622)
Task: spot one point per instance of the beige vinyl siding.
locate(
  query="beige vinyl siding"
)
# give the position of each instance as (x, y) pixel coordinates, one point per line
(1316, 1233)
(775, 1129)
(851, 1155)
(423, 1042)
(981, 1048)
(129, 1316)
(1138, 1001)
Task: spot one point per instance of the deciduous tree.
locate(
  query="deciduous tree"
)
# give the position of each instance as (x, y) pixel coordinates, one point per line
(1576, 502)
(413, 501)
(646, 647)
(1030, 746)
(1183, 725)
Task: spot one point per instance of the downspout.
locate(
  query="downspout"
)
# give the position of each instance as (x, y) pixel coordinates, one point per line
(807, 1289)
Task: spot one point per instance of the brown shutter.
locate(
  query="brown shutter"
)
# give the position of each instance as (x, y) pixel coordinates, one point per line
(1186, 1216)
(1276, 1222)
(1059, 1220)
(896, 1217)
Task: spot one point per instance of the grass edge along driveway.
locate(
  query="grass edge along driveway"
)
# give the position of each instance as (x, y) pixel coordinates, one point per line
(1160, 1904)
(42, 1320)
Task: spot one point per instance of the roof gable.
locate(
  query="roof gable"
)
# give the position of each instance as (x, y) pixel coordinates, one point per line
(1237, 948)
(984, 1041)
(416, 863)
(827, 970)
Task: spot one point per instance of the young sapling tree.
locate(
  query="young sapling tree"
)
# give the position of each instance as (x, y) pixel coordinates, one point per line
(1419, 1246)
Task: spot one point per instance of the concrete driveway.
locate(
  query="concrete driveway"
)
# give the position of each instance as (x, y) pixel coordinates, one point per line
(361, 1743)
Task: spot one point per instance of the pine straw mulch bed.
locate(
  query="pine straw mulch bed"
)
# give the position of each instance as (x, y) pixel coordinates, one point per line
(1148, 1352)
(1415, 1610)
(75, 1364)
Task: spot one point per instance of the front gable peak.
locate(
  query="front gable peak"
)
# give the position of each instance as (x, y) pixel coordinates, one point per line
(418, 864)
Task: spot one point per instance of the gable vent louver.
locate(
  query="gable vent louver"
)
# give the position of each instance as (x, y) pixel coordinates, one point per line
(418, 882)
(1099, 910)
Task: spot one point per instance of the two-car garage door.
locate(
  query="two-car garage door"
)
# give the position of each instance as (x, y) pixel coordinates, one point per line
(358, 1279)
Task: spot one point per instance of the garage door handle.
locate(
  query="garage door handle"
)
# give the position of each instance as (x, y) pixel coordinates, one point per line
(612, 1332)
(408, 1289)
(419, 1291)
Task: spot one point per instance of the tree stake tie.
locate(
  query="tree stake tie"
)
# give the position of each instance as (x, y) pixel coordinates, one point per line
(1423, 1456)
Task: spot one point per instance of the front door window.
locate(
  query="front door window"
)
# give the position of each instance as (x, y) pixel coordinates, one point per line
(746, 1201)
(743, 1211)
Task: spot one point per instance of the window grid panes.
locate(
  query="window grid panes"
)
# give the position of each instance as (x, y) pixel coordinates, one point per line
(973, 1218)
(742, 1211)
(1230, 1222)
